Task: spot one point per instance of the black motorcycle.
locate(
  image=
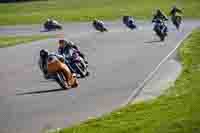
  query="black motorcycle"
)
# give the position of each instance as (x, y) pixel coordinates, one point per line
(49, 26)
(176, 20)
(129, 22)
(76, 63)
(58, 77)
(160, 28)
(99, 26)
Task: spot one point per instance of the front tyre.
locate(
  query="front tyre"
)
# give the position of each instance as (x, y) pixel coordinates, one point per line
(176, 21)
(80, 69)
(59, 27)
(162, 37)
(104, 30)
(60, 79)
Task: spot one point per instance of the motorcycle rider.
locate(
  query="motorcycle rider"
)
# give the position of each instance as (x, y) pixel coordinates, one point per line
(65, 46)
(162, 24)
(175, 10)
(131, 21)
(53, 63)
(159, 15)
(176, 16)
(160, 18)
(51, 21)
(98, 22)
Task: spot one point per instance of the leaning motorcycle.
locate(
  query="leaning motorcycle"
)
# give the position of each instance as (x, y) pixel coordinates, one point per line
(176, 20)
(76, 63)
(160, 29)
(129, 22)
(100, 27)
(52, 26)
(57, 77)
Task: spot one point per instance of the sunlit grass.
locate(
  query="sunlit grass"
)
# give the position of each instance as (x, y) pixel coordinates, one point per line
(86, 10)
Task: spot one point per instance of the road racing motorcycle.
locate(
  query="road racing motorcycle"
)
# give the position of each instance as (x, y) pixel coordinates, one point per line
(99, 26)
(177, 20)
(76, 63)
(129, 22)
(57, 77)
(160, 28)
(52, 25)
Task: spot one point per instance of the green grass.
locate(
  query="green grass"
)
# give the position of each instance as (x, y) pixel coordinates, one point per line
(177, 111)
(7, 41)
(84, 10)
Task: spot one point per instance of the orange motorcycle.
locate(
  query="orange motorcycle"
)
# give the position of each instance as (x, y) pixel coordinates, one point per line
(54, 68)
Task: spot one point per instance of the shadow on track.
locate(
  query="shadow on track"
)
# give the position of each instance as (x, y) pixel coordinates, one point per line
(154, 41)
(43, 31)
(40, 92)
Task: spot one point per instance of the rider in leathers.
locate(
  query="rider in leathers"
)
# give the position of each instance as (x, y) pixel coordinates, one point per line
(175, 10)
(159, 15)
(65, 46)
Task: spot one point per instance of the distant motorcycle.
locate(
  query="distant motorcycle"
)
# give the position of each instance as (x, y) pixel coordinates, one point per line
(52, 25)
(76, 63)
(176, 20)
(129, 22)
(160, 28)
(99, 26)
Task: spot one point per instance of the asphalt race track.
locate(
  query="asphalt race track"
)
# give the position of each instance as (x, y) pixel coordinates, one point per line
(119, 61)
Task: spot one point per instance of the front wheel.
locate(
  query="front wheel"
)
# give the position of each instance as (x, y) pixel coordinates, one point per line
(132, 26)
(81, 69)
(104, 29)
(177, 21)
(60, 79)
(59, 27)
(162, 37)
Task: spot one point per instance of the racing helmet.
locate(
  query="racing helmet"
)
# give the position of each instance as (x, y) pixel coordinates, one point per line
(158, 11)
(61, 42)
(44, 53)
(48, 19)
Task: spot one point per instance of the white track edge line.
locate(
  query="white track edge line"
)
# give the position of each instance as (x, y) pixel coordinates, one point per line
(137, 91)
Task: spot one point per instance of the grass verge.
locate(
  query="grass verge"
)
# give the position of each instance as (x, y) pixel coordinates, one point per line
(176, 111)
(7, 41)
(84, 10)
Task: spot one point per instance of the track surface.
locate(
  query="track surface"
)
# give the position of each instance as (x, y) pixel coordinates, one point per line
(119, 60)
